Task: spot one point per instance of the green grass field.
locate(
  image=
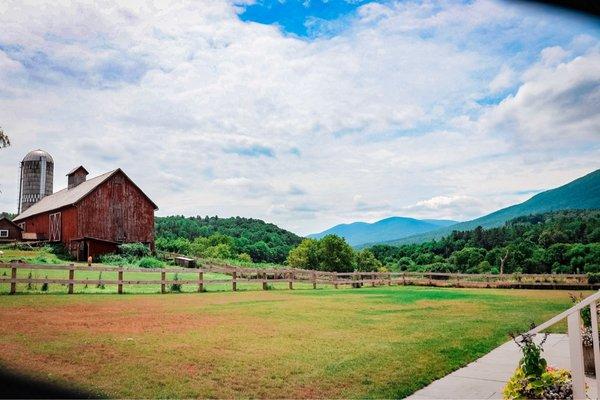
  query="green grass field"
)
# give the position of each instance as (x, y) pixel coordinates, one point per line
(325, 343)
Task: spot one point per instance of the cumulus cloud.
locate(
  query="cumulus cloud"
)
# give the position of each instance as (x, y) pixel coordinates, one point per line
(213, 115)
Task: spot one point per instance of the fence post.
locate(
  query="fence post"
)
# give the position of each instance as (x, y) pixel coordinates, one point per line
(576, 353)
(596, 342)
(71, 277)
(291, 277)
(120, 285)
(234, 280)
(314, 279)
(264, 281)
(372, 280)
(335, 280)
(200, 281)
(163, 278)
(13, 276)
(390, 279)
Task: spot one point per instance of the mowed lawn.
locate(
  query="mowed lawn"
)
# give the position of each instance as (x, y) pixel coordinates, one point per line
(325, 343)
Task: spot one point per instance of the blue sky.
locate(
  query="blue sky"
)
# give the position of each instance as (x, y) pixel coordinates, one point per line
(305, 113)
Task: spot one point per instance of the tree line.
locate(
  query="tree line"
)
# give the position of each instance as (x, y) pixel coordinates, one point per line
(555, 242)
(245, 239)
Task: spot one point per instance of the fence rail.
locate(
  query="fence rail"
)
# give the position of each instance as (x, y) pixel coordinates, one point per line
(290, 276)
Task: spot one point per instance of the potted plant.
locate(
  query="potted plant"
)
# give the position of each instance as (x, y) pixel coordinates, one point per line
(586, 337)
(533, 378)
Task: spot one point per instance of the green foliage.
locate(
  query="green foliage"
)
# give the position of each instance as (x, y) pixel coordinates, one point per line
(330, 253)
(175, 287)
(533, 379)
(262, 241)
(305, 255)
(45, 285)
(556, 242)
(366, 261)
(245, 257)
(134, 250)
(335, 254)
(593, 278)
(150, 262)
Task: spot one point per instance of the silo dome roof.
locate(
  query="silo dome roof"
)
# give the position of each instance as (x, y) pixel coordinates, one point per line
(36, 155)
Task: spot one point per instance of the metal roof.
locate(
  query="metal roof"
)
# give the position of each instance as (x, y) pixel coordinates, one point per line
(36, 155)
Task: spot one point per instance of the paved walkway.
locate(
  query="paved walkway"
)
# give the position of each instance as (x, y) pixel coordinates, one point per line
(485, 377)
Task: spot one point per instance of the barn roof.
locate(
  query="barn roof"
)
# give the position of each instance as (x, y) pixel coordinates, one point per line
(68, 197)
(9, 221)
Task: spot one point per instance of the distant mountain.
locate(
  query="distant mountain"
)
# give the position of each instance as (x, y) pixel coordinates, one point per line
(580, 194)
(358, 233)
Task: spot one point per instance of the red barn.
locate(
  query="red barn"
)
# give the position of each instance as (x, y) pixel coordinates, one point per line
(92, 217)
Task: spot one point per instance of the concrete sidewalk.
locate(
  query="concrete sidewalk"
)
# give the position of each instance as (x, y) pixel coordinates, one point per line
(485, 377)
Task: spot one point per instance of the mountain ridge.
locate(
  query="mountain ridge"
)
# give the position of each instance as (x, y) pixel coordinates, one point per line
(359, 232)
(579, 194)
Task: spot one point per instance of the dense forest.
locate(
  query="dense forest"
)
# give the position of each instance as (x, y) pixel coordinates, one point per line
(555, 242)
(246, 239)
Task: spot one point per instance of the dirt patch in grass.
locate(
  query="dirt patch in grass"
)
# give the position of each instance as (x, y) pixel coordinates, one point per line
(383, 342)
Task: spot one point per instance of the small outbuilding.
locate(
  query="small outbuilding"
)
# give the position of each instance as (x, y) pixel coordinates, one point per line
(9, 231)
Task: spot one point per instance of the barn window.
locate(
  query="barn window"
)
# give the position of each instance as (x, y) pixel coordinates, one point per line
(55, 227)
(3, 233)
(22, 226)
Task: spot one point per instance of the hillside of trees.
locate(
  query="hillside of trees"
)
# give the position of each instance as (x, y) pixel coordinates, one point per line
(240, 238)
(554, 242)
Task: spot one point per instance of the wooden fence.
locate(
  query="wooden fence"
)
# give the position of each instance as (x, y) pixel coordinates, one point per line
(263, 277)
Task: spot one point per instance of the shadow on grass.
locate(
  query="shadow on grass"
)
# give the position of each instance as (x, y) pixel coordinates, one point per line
(16, 386)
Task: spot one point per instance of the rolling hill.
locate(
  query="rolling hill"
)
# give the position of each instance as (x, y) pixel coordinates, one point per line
(358, 233)
(580, 194)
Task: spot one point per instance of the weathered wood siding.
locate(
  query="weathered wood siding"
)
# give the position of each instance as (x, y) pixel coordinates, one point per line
(117, 211)
(40, 224)
(14, 233)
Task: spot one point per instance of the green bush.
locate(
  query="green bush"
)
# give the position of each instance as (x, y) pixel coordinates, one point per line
(114, 259)
(593, 278)
(176, 287)
(134, 250)
(45, 285)
(150, 262)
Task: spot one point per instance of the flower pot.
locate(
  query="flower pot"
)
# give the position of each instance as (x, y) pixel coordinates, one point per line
(588, 360)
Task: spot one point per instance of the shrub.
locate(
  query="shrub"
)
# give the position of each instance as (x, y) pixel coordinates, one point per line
(134, 250)
(244, 257)
(114, 259)
(150, 262)
(45, 285)
(176, 287)
(593, 278)
(59, 250)
(591, 268)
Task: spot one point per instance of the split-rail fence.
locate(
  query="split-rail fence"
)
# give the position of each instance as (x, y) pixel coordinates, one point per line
(264, 277)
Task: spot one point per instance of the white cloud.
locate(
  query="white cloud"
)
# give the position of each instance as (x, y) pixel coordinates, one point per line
(212, 115)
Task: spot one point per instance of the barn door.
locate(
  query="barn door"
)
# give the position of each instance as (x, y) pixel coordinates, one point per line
(55, 227)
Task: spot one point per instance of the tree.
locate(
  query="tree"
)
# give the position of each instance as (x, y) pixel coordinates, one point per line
(305, 255)
(366, 261)
(335, 254)
(4, 140)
